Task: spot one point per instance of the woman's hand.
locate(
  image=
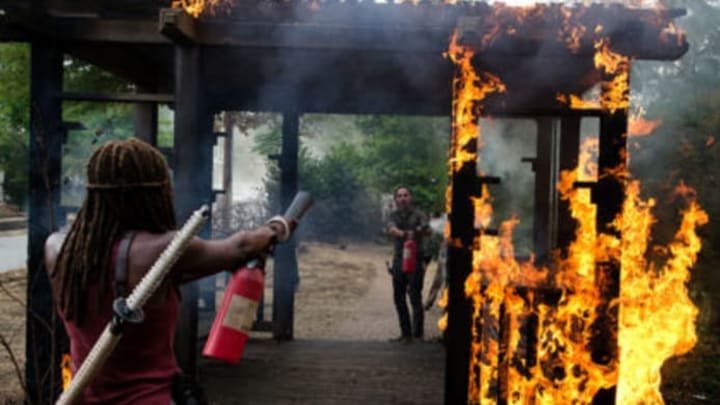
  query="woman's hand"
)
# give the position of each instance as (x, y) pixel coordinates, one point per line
(260, 240)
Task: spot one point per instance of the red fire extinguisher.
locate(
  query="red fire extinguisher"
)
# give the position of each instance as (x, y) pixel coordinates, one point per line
(409, 254)
(234, 320)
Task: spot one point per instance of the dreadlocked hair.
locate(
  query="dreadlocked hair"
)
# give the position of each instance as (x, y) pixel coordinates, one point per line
(128, 188)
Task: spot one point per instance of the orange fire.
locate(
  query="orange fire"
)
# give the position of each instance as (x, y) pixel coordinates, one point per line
(65, 371)
(616, 89)
(571, 30)
(657, 317)
(638, 125)
(558, 305)
(578, 103)
(470, 88)
(615, 93)
(197, 7)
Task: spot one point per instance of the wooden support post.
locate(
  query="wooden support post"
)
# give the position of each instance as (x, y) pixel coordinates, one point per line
(285, 266)
(146, 122)
(608, 196)
(569, 151)
(44, 336)
(192, 153)
(227, 178)
(459, 264)
(544, 188)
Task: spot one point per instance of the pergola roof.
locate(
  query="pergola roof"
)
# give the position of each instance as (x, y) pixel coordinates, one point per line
(346, 57)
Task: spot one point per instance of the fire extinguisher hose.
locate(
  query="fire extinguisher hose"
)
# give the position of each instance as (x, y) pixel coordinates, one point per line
(130, 310)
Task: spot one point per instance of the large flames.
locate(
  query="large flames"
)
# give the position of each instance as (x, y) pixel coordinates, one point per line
(533, 327)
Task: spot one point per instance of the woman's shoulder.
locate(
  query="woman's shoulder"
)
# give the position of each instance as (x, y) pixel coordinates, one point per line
(52, 247)
(149, 245)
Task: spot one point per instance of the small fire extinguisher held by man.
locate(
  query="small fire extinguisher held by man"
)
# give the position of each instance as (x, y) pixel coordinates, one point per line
(407, 226)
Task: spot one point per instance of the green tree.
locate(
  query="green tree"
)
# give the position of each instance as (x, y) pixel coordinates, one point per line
(14, 119)
(409, 151)
(344, 207)
(101, 120)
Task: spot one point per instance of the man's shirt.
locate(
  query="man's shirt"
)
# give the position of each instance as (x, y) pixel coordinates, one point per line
(407, 220)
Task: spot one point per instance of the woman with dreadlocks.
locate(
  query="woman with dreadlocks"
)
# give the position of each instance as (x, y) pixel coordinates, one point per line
(125, 222)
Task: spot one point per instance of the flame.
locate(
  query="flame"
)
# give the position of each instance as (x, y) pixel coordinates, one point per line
(469, 89)
(443, 303)
(657, 317)
(615, 94)
(672, 31)
(638, 125)
(197, 7)
(572, 30)
(66, 371)
(616, 87)
(577, 102)
(710, 141)
(514, 302)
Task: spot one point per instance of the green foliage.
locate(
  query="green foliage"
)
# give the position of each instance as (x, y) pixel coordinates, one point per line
(344, 205)
(408, 151)
(79, 76)
(343, 208)
(166, 121)
(101, 120)
(14, 119)
(348, 175)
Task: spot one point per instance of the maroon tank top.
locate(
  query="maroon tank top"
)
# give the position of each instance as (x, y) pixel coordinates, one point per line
(142, 365)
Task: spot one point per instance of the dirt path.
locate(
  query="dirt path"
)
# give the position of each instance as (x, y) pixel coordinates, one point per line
(346, 293)
(12, 331)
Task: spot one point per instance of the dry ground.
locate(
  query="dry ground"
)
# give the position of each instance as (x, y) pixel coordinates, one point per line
(345, 292)
(12, 334)
(7, 210)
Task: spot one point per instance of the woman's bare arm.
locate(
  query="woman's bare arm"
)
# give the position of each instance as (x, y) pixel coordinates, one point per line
(201, 257)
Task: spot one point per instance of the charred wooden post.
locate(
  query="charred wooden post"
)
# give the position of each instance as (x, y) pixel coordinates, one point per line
(523, 357)
(285, 265)
(459, 263)
(145, 120)
(192, 152)
(544, 188)
(226, 202)
(608, 195)
(45, 336)
(569, 150)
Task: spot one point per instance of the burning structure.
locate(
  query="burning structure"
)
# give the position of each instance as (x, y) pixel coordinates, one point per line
(557, 330)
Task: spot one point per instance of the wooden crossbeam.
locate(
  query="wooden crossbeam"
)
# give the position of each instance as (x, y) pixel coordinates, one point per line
(119, 98)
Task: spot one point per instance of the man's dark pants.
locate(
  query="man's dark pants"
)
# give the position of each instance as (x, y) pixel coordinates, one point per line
(410, 284)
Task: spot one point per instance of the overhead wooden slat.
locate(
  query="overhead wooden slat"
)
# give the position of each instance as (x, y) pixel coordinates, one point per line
(118, 98)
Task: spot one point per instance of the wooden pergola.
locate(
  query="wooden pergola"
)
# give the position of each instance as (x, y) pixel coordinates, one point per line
(307, 57)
